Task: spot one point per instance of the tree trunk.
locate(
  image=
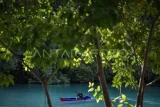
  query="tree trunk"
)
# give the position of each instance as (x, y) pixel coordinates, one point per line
(140, 102)
(47, 94)
(141, 80)
(103, 82)
(101, 75)
(140, 97)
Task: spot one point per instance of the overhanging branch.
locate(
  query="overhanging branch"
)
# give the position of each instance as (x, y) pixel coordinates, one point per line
(36, 76)
(152, 82)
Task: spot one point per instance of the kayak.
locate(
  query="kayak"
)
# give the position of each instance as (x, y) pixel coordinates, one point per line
(75, 99)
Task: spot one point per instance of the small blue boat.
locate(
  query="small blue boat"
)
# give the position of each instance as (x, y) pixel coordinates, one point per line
(75, 99)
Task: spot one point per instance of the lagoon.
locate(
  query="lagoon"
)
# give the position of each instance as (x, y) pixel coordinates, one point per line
(32, 95)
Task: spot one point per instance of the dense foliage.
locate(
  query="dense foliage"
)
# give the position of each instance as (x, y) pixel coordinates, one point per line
(82, 74)
(79, 38)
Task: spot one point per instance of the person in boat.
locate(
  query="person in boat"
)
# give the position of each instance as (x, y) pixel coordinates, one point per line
(80, 95)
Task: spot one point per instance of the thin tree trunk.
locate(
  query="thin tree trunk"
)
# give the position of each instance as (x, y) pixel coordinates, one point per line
(103, 82)
(44, 82)
(141, 86)
(47, 94)
(142, 96)
(144, 87)
(101, 75)
(46, 89)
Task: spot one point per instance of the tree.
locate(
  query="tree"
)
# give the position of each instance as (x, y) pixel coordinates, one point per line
(145, 22)
(85, 26)
(85, 19)
(137, 23)
(27, 26)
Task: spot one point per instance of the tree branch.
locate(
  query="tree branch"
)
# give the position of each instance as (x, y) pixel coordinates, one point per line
(135, 55)
(141, 80)
(151, 33)
(81, 37)
(36, 76)
(152, 82)
(50, 76)
(31, 70)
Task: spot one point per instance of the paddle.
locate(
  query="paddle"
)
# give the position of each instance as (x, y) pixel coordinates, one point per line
(78, 95)
(76, 92)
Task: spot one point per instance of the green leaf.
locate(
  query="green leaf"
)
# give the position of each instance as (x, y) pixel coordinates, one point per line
(91, 84)
(95, 93)
(120, 105)
(100, 97)
(124, 98)
(98, 88)
(130, 105)
(91, 89)
(11, 79)
(133, 62)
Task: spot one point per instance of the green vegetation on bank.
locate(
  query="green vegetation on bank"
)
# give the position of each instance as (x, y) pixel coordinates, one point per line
(82, 74)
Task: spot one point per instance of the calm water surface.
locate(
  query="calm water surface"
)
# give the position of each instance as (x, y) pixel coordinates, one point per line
(32, 95)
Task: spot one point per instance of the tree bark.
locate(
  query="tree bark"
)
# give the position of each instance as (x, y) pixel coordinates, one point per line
(103, 82)
(141, 86)
(44, 82)
(101, 75)
(144, 87)
(47, 94)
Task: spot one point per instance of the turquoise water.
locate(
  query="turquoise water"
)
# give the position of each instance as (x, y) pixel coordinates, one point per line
(32, 95)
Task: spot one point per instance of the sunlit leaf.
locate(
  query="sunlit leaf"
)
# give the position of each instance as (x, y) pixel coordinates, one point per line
(124, 98)
(120, 105)
(99, 97)
(98, 88)
(91, 89)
